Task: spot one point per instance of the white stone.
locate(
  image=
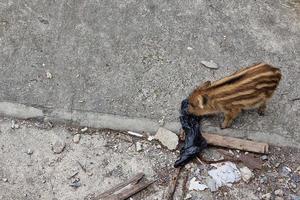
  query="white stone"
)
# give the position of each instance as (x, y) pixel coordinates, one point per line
(84, 129)
(246, 174)
(76, 138)
(266, 196)
(138, 146)
(196, 185)
(278, 192)
(210, 64)
(58, 146)
(167, 138)
(49, 75)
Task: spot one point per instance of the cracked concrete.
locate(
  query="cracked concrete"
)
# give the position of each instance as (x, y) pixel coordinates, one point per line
(139, 59)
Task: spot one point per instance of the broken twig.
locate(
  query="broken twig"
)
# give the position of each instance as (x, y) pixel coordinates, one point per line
(168, 195)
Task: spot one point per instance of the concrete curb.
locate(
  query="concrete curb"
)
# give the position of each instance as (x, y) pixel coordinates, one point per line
(123, 123)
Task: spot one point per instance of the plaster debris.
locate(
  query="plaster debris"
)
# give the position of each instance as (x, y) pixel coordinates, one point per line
(76, 138)
(225, 174)
(84, 129)
(138, 146)
(196, 185)
(58, 146)
(49, 75)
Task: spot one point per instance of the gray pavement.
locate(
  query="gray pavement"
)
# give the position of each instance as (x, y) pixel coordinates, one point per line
(141, 58)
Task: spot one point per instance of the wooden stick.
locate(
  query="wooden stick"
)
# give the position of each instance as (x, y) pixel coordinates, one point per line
(133, 180)
(168, 195)
(236, 143)
(126, 193)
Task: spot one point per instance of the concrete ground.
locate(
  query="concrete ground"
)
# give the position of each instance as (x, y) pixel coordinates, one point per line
(33, 166)
(141, 58)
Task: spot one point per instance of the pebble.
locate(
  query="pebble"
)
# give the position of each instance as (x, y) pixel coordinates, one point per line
(76, 183)
(210, 64)
(167, 138)
(84, 129)
(76, 138)
(211, 184)
(278, 192)
(266, 196)
(58, 146)
(294, 185)
(294, 197)
(285, 171)
(263, 179)
(14, 125)
(90, 173)
(298, 169)
(5, 179)
(138, 146)
(264, 157)
(48, 75)
(246, 174)
(189, 48)
(29, 151)
(188, 196)
(277, 165)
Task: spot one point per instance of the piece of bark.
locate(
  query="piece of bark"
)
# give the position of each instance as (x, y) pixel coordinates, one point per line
(168, 195)
(133, 180)
(236, 143)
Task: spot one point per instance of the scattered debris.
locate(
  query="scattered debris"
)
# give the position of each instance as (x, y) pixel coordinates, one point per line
(58, 146)
(196, 185)
(76, 183)
(83, 130)
(138, 146)
(278, 192)
(49, 75)
(188, 196)
(5, 179)
(189, 48)
(210, 64)
(266, 196)
(76, 138)
(167, 138)
(135, 134)
(225, 174)
(246, 174)
(90, 173)
(14, 125)
(125, 190)
(73, 175)
(29, 151)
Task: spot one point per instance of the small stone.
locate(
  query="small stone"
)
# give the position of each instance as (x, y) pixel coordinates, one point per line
(75, 184)
(210, 64)
(58, 146)
(278, 192)
(167, 138)
(188, 196)
(84, 129)
(263, 179)
(76, 138)
(90, 173)
(285, 171)
(48, 75)
(189, 48)
(196, 185)
(29, 151)
(150, 138)
(43, 64)
(158, 146)
(293, 185)
(266, 196)
(246, 174)
(14, 125)
(138, 146)
(5, 179)
(294, 197)
(264, 157)
(258, 189)
(298, 169)
(277, 165)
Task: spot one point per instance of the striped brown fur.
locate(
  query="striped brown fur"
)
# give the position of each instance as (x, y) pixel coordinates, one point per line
(247, 88)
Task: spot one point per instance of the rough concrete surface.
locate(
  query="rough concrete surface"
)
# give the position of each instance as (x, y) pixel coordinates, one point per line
(141, 58)
(39, 161)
